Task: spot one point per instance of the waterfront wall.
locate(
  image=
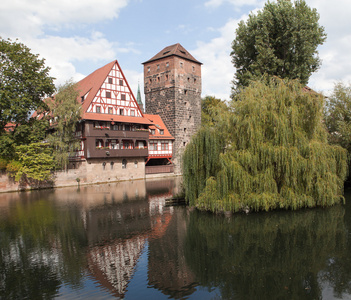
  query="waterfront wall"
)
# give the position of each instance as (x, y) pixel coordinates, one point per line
(86, 172)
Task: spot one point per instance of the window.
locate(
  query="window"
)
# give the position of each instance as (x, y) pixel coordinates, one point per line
(111, 164)
(108, 94)
(161, 131)
(110, 80)
(166, 77)
(158, 67)
(167, 64)
(148, 69)
(103, 165)
(150, 81)
(124, 164)
(121, 82)
(132, 113)
(135, 164)
(123, 96)
(98, 109)
(110, 110)
(181, 64)
(121, 112)
(153, 145)
(164, 145)
(193, 69)
(152, 131)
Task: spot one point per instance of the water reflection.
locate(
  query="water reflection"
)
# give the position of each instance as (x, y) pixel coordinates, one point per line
(92, 243)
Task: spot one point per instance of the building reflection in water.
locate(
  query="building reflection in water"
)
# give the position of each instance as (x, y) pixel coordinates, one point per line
(122, 222)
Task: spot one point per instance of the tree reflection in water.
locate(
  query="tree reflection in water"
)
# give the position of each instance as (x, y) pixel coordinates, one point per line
(66, 237)
(277, 255)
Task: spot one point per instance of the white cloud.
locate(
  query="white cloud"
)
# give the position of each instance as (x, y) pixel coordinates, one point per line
(217, 70)
(235, 3)
(29, 17)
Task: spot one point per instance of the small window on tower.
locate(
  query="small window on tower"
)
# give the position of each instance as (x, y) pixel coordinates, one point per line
(193, 69)
(158, 67)
(148, 69)
(98, 109)
(123, 96)
(121, 82)
(167, 64)
(181, 64)
(108, 94)
(110, 81)
(166, 77)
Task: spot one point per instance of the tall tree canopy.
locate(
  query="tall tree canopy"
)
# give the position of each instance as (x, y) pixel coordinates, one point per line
(271, 152)
(66, 112)
(24, 82)
(280, 40)
(338, 115)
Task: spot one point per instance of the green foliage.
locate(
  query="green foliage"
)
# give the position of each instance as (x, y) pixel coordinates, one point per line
(36, 162)
(66, 112)
(13, 167)
(3, 163)
(280, 40)
(338, 115)
(276, 154)
(24, 82)
(211, 110)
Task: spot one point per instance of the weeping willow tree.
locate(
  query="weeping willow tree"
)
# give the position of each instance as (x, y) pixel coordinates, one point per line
(269, 152)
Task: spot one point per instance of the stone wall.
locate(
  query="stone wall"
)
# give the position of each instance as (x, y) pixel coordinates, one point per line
(87, 172)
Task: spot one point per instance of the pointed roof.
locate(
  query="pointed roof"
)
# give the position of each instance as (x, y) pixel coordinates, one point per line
(174, 50)
(157, 123)
(139, 96)
(89, 86)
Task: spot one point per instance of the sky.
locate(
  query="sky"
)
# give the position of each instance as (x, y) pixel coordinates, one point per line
(76, 37)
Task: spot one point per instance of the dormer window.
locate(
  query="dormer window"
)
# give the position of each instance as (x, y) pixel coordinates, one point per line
(152, 131)
(161, 131)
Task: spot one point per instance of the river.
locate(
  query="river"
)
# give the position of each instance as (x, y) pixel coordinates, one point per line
(121, 241)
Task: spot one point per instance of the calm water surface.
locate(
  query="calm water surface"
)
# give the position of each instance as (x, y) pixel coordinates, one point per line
(121, 241)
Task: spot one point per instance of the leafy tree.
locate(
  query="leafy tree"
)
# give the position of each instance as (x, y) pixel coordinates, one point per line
(338, 115)
(280, 40)
(211, 109)
(36, 162)
(24, 82)
(66, 112)
(273, 154)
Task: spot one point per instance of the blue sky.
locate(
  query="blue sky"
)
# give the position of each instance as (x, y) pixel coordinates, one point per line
(77, 37)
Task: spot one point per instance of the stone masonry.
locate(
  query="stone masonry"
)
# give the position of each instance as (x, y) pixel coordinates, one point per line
(172, 86)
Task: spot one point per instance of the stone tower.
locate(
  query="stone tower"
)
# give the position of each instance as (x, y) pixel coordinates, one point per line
(172, 86)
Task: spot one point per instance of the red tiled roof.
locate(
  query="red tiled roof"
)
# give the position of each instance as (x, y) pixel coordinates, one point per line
(158, 124)
(177, 50)
(117, 118)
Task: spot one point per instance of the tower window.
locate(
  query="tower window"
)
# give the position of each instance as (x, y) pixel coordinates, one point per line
(111, 164)
(193, 69)
(185, 92)
(124, 164)
(166, 77)
(181, 64)
(158, 67)
(148, 69)
(167, 64)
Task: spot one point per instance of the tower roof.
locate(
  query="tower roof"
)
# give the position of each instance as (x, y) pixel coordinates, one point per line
(174, 50)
